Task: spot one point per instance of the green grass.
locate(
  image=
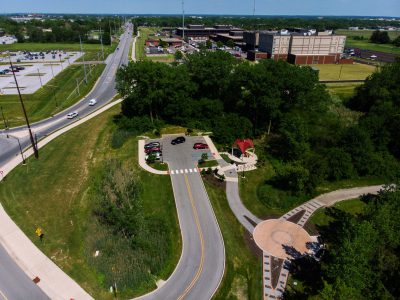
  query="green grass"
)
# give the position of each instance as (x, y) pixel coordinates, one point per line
(226, 158)
(43, 103)
(243, 270)
(208, 164)
(352, 206)
(250, 186)
(56, 193)
(344, 72)
(365, 33)
(159, 166)
(342, 90)
(167, 58)
(366, 44)
(140, 43)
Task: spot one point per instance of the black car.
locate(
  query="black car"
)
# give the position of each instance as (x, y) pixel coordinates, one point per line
(152, 145)
(178, 140)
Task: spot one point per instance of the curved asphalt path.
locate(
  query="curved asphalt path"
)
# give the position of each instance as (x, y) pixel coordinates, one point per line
(202, 263)
(14, 283)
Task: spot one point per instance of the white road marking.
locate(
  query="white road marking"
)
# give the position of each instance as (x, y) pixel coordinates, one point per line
(190, 170)
(195, 170)
(172, 172)
(181, 171)
(186, 171)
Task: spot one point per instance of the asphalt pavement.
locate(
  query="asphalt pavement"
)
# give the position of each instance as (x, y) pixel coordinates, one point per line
(14, 284)
(202, 263)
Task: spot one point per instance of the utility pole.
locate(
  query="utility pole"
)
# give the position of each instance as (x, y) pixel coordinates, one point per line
(40, 78)
(83, 59)
(4, 119)
(102, 46)
(183, 20)
(35, 151)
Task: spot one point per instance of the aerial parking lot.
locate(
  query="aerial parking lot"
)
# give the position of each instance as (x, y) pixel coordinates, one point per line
(33, 69)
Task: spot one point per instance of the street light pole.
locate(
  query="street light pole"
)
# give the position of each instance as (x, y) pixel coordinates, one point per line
(4, 119)
(35, 151)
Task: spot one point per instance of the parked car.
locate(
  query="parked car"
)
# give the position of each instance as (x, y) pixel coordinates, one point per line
(200, 146)
(178, 140)
(19, 68)
(72, 115)
(3, 72)
(152, 145)
(151, 150)
(92, 102)
(157, 155)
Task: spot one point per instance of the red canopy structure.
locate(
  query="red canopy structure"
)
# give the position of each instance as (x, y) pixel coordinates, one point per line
(244, 144)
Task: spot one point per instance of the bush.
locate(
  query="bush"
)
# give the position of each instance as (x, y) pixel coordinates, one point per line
(276, 199)
(291, 177)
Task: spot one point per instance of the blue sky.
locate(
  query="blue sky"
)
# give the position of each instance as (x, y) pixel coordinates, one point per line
(263, 7)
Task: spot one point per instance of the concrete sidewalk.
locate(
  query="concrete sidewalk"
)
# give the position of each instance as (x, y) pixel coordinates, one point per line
(53, 281)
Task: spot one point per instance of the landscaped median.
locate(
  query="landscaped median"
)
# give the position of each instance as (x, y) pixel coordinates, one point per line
(64, 194)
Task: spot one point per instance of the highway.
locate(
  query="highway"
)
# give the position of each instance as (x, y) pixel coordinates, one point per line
(14, 283)
(202, 263)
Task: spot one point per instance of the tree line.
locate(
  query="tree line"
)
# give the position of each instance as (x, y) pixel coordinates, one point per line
(61, 30)
(282, 105)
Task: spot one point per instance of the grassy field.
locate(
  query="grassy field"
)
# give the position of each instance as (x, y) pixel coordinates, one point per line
(353, 206)
(243, 275)
(168, 58)
(365, 33)
(366, 44)
(249, 188)
(56, 193)
(342, 90)
(50, 99)
(344, 72)
(144, 33)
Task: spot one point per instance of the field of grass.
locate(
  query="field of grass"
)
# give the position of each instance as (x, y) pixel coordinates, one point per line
(144, 33)
(168, 58)
(344, 72)
(365, 33)
(243, 274)
(249, 189)
(50, 99)
(353, 206)
(57, 194)
(342, 90)
(366, 44)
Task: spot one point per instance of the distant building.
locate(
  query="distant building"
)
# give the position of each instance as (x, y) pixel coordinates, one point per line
(8, 40)
(251, 39)
(236, 36)
(302, 47)
(353, 28)
(200, 32)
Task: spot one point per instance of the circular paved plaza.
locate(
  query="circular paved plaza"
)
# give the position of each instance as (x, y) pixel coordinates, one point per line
(281, 238)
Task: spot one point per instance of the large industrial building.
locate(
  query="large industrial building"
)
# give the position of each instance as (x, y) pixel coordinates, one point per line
(301, 47)
(200, 32)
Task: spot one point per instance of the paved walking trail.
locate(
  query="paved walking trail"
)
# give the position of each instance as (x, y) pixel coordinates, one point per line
(276, 268)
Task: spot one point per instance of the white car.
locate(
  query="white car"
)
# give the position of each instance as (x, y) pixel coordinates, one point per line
(72, 115)
(92, 102)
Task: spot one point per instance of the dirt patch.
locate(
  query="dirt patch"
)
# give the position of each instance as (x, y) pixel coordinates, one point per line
(215, 182)
(297, 216)
(248, 238)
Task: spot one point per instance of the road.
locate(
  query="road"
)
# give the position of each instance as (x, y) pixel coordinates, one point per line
(14, 284)
(103, 91)
(202, 263)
